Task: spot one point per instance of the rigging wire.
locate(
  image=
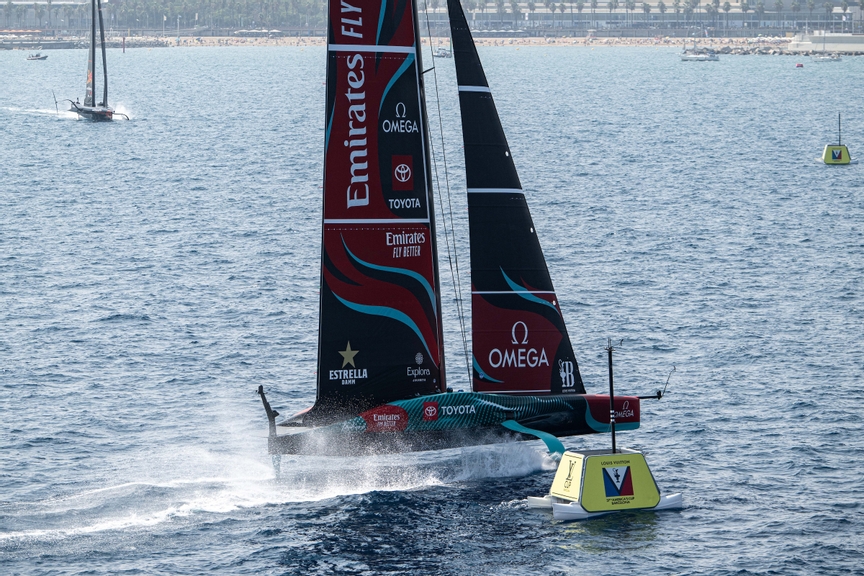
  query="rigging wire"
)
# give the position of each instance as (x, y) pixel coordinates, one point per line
(452, 256)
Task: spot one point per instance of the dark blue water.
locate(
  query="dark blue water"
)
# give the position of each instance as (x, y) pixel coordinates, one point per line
(154, 272)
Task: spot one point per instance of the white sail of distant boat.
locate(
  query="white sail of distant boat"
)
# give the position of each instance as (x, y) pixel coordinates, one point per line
(825, 57)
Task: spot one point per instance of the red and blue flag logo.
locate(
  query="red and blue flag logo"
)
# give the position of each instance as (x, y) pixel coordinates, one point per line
(617, 481)
(837, 154)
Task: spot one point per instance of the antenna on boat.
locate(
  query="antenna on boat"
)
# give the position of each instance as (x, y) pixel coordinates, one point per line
(609, 350)
(56, 106)
(838, 129)
(660, 394)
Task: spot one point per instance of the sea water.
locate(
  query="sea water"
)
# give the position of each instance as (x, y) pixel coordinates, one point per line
(154, 272)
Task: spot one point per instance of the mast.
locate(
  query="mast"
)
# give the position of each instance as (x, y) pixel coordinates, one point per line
(91, 57)
(380, 334)
(104, 65)
(520, 342)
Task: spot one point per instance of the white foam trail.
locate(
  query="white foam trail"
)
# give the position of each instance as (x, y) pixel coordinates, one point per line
(183, 482)
(121, 109)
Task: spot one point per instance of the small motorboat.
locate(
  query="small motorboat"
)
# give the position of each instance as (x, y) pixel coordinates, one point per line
(37, 56)
(699, 54)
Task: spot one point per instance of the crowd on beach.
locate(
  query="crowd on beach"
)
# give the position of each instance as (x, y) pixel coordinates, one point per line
(480, 41)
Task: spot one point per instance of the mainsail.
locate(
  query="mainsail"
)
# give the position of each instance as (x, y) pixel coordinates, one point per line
(520, 342)
(91, 56)
(380, 334)
(89, 98)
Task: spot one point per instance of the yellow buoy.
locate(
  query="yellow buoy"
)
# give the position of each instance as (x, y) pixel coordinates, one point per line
(836, 153)
(601, 481)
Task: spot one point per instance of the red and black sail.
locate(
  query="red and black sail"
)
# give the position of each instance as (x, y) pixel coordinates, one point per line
(91, 57)
(89, 96)
(380, 335)
(520, 342)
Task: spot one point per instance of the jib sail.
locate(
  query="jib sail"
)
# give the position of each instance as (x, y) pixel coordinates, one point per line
(380, 336)
(520, 342)
(104, 62)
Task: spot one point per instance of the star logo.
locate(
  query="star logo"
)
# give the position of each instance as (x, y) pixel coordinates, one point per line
(348, 356)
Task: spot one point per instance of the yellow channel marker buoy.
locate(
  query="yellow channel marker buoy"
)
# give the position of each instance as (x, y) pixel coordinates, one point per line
(590, 483)
(836, 153)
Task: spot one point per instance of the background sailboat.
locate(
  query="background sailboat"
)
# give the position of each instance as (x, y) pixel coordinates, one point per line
(824, 57)
(90, 109)
(381, 374)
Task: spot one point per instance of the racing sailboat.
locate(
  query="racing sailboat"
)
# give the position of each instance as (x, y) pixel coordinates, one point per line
(381, 377)
(90, 109)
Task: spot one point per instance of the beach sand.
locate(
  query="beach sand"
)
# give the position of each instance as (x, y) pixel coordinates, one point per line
(660, 41)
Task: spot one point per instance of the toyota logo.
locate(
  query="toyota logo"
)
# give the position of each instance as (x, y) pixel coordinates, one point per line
(402, 173)
(430, 411)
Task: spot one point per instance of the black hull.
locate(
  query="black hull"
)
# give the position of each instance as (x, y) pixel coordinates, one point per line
(451, 420)
(94, 113)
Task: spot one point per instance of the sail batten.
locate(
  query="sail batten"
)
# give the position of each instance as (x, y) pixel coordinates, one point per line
(520, 341)
(380, 335)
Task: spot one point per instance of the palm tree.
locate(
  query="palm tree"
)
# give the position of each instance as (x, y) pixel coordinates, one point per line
(829, 9)
(778, 6)
(726, 8)
(514, 8)
(613, 5)
(646, 8)
(7, 11)
(745, 7)
(580, 5)
(661, 6)
(38, 11)
(594, 4)
(760, 11)
(676, 5)
(844, 6)
(531, 8)
(630, 6)
(796, 7)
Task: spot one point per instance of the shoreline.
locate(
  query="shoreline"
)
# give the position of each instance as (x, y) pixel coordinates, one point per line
(731, 46)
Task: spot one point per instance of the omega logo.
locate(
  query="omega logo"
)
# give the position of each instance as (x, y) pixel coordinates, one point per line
(522, 357)
(513, 333)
